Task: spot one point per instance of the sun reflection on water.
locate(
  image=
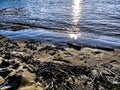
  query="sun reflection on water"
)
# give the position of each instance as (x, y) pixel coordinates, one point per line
(73, 36)
(76, 13)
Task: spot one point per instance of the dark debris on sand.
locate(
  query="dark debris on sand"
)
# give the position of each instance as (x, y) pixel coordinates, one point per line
(50, 75)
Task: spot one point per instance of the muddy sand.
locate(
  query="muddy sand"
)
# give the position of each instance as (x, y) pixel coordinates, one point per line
(32, 65)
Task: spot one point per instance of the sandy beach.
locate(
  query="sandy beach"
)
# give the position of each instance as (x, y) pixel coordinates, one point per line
(32, 65)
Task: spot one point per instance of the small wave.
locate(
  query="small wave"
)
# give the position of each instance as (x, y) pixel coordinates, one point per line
(60, 38)
(45, 24)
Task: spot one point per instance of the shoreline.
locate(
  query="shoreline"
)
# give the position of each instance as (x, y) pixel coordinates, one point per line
(42, 66)
(63, 39)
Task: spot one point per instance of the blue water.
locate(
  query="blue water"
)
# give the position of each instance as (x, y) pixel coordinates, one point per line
(91, 19)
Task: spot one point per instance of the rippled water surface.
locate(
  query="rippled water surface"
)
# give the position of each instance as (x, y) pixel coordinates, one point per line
(65, 19)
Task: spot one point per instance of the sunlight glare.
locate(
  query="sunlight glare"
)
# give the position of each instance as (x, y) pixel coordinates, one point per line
(76, 13)
(77, 10)
(73, 36)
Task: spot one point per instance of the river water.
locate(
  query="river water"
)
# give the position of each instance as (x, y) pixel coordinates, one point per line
(88, 22)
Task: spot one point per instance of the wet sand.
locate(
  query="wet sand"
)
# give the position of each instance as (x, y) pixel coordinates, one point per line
(32, 65)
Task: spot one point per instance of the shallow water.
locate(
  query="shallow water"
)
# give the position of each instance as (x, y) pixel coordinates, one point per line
(61, 20)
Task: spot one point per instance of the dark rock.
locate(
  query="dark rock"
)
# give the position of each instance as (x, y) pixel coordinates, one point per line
(71, 45)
